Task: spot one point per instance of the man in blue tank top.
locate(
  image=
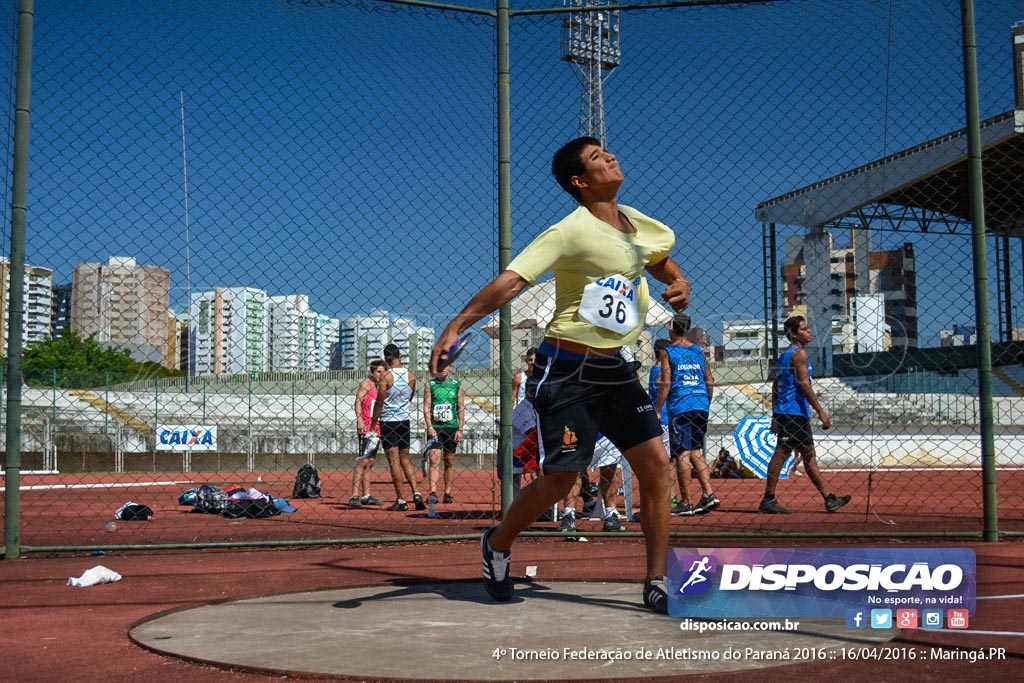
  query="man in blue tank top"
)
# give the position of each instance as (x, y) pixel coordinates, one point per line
(792, 400)
(652, 388)
(685, 388)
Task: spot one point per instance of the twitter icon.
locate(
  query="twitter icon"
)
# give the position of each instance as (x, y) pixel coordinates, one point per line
(881, 618)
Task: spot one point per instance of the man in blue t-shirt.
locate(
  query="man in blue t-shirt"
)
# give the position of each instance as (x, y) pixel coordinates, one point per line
(792, 400)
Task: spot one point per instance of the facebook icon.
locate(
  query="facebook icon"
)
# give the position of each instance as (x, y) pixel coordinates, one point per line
(855, 618)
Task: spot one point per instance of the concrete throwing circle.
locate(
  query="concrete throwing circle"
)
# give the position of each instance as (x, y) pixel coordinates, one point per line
(452, 630)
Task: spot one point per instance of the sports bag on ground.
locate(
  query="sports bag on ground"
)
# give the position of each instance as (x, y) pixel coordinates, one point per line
(212, 499)
(307, 483)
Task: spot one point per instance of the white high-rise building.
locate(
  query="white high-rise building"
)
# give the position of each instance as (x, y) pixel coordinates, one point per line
(299, 338)
(363, 339)
(38, 288)
(229, 331)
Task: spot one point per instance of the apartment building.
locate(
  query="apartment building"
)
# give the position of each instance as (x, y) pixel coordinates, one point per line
(123, 303)
(38, 311)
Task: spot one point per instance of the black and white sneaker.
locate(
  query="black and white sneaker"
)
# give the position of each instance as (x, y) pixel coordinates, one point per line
(656, 595)
(612, 522)
(497, 569)
(568, 521)
(707, 503)
(684, 510)
(417, 500)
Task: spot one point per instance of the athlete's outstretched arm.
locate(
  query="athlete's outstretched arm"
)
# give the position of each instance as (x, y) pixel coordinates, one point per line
(496, 294)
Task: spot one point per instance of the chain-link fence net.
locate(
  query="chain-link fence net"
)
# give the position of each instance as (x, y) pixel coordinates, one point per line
(233, 209)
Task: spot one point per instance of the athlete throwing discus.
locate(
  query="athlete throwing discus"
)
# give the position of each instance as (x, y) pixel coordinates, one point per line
(581, 384)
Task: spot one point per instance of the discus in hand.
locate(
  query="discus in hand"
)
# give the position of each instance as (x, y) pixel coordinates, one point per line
(453, 352)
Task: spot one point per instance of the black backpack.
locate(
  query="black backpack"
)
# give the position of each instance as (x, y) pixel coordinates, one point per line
(210, 499)
(307, 483)
(253, 509)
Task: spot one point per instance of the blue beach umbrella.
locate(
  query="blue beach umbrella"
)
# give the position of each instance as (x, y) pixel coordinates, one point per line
(755, 444)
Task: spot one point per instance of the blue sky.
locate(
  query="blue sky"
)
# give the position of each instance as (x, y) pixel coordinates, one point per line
(347, 151)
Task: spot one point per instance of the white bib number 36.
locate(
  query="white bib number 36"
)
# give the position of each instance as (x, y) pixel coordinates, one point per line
(611, 303)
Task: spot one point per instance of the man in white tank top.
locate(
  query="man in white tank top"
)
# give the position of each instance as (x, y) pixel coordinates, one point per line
(391, 410)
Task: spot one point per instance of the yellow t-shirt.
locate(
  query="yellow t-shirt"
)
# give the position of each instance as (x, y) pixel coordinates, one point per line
(582, 249)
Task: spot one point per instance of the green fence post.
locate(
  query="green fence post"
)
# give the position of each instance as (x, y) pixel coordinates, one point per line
(504, 246)
(981, 303)
(15, 316)
(249, 392)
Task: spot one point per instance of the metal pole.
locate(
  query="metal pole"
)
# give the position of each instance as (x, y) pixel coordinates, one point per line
(766, 315)
(988, 448)
(504, 249)
(16, 301)
(1008, 292)
(772, 285)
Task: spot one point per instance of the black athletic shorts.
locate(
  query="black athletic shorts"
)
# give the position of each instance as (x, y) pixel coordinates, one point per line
(446, 437)
(576, 399)
(794, 431)
(686, 432)
(395, 434)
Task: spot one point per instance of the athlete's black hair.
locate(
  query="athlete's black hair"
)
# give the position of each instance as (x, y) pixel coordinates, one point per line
(791, 325)
(568, 162)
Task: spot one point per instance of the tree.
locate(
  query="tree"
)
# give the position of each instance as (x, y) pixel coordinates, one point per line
(72, 361)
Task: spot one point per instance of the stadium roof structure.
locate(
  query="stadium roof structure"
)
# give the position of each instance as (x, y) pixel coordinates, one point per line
(536, 306)
(923, 186)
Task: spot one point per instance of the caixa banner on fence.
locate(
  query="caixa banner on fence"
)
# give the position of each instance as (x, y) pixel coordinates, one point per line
(817, 582)
(186, 438)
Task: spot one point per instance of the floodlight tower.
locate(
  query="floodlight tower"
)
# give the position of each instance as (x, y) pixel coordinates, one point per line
(590, 42)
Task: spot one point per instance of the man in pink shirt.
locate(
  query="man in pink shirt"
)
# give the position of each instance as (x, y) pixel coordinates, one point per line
(369, 441)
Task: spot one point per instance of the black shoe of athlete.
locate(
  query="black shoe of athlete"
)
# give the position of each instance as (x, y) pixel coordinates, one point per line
(834, 502)
(497, 569)
(656, 595)
(771, 506)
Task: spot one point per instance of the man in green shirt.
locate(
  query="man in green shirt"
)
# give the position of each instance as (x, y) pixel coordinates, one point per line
(444, 413)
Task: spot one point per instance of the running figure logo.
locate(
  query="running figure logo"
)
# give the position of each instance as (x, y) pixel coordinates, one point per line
(697, 571)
